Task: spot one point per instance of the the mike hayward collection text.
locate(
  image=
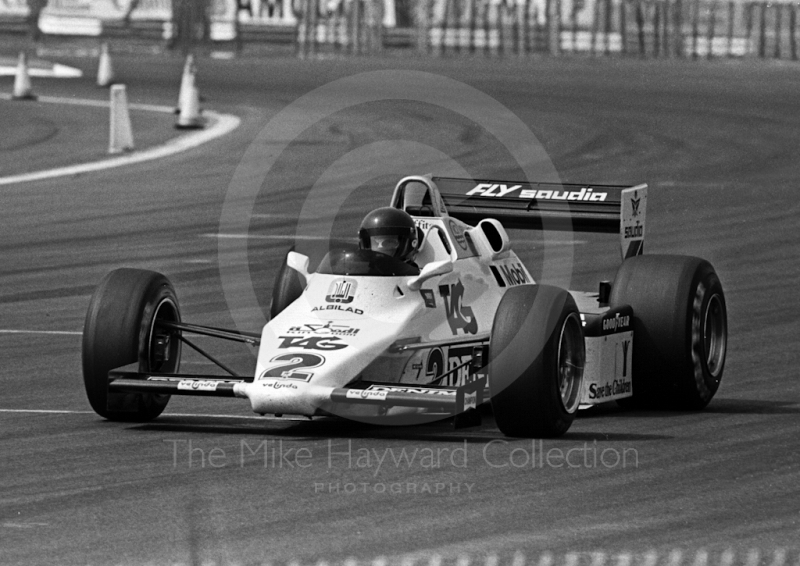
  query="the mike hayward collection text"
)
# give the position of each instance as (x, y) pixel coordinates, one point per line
(280, 454)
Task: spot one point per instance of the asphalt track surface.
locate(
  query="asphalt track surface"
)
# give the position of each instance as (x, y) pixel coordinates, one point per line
(208, 483)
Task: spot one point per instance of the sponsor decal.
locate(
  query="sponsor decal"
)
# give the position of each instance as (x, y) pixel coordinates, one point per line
(312, 342)
(493, 190)
(500, 190)
(292, 366)
(514, 274)
(428, 297)
(328, 328)
(459, 358)
(434, 367)
(458, 234)
(367, 394)
(636, 231)
(470, 400)
(422, 224)
(459, 317)
(635, 203)
(336, 308)
(342, 291)
(617, 323)
(626, 344)
(616, 387)
(197, 385)
(278, 384)
(419, 390)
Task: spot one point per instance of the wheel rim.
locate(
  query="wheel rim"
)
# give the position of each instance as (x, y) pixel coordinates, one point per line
(715, 335)
(166, 311)
(571, 357)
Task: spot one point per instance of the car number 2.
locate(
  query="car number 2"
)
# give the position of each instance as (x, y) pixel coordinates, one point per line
(292, 366)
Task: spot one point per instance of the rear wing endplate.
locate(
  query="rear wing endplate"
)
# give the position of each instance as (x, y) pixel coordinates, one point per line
(550, 206)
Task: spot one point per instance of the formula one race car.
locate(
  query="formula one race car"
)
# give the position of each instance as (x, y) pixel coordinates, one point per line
(433, 314)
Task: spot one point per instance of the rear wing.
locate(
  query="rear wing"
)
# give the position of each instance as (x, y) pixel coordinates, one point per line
(550, 206)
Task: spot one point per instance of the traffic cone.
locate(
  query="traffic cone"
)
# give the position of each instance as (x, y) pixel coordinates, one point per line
(186, 81)
(189, 100)
(22, 82)
(105, 71)
(121, 133)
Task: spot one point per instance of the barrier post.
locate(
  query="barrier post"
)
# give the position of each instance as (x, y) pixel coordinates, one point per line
(553, 26)
(695, 27)
(778, 26)
(712, 24)
(793, 30)
(679, 48)
(748, 16)
(623, 27)
(640, 25)
(656, 28)
(731, 16)
(421, 25)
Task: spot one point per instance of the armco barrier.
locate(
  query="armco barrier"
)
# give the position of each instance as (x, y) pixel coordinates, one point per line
(648, 28)
(652, 28)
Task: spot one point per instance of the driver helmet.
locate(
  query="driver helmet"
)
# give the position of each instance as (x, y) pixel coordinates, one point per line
(389, 231)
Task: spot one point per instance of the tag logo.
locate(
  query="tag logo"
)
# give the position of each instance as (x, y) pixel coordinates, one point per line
(312, 342)
(342, 291)
(458, 315)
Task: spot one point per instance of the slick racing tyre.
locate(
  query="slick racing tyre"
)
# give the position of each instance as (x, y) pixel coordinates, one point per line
(288, 287)
(679, 330)
(536, 361)
(120, 330)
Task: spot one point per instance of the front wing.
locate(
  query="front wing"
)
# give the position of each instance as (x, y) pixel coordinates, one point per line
(452, 400)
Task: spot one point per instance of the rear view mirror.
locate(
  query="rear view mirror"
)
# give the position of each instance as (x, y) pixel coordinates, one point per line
(298, 262)
(430, 270)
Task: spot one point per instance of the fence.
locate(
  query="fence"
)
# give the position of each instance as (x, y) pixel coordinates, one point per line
(651, 28)
(656, 28)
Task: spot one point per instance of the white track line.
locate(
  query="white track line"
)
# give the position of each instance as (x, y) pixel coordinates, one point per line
(50, 332)
(70, 412)
(221, 124)
(57, 71)
(265, 237)
(46, 412)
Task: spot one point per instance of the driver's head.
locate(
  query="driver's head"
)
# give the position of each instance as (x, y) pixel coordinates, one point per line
(389, 231)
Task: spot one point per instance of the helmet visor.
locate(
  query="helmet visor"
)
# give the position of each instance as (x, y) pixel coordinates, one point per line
(384, 244)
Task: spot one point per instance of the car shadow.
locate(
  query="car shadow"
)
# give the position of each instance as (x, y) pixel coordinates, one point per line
(327, 427)
(717, 406)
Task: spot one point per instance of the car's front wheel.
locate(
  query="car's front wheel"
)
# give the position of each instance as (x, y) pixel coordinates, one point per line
(536, 360)
(121, 329)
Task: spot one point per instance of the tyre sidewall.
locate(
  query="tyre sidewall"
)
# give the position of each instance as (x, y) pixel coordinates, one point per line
(669, 295)
(523, 361)
(117, 332)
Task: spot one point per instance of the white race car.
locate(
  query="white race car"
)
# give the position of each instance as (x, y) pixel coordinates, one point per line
(444, 319)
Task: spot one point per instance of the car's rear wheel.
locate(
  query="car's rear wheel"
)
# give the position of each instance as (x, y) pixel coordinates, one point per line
(680, 329)
(536, 360)
(121, 329)
(287, 288)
